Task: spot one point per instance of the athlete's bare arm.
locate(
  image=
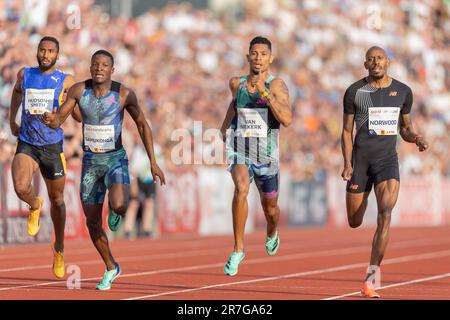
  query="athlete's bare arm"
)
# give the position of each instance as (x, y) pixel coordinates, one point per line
(278, 101)
(233, 84)
(16, 100)
(56, 119)
(347, 145)
(69, 82)
(408, 133)
(132, 106)
(76, 113)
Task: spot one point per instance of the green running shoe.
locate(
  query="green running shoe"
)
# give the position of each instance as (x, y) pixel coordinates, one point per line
(114, 220)
(272, 244)
(231, 268)
(108, 278)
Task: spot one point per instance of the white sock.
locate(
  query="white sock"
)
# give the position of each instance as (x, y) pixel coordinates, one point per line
(372, 273)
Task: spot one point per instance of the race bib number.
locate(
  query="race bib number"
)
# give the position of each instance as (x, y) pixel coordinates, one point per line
(383, 121)
(39, 101)
(252, 122)
(99, 138)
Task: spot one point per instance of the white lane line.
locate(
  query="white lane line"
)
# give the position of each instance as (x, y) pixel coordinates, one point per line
(89, 248)
(204, 266)
(137, 245)
(210, 245)
(302, 274)
(440, 276)
(350, 250)
(119, 245)
(120, 259)
(194, 253)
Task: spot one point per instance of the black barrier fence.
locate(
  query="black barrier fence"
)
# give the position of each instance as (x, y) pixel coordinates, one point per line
(308, 203)
(305, 206)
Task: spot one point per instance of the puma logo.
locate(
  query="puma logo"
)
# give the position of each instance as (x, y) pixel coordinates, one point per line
(60, 174)
(393, 94)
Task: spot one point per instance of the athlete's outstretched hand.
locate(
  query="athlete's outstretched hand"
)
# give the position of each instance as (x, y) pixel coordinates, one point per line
(421, 143)
(347, 173)
(51, 119)
(157, 172)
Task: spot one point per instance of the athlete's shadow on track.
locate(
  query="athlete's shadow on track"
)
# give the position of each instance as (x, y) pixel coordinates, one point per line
(220, 274)
(134, 287)
(32, 280)
(148, 289)
(30, 283)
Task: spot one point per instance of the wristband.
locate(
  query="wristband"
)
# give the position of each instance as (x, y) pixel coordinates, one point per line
(265, 94)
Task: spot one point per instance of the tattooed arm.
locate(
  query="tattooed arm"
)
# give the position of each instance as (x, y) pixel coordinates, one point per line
(278, 101)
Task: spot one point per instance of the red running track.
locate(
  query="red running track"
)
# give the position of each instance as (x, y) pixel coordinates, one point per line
(310, 264)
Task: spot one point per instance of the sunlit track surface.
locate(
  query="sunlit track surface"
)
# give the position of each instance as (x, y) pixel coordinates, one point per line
(311, 264)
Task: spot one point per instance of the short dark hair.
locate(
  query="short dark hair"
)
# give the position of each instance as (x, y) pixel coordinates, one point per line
(52, 39)
(105, 53)
(260, 40)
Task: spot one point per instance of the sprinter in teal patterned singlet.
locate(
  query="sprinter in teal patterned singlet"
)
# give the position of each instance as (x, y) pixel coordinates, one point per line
(251, 127)
(38, 90)
(105, 164)
(105, 161)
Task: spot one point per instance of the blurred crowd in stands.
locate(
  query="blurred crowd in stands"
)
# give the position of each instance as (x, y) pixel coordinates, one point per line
(179, 59)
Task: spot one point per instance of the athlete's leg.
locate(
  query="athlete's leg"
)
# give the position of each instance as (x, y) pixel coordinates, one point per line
(241, 178)
(119, 197)
(358, 189)
(98, 236)
(356, 207)
(117, 180)
(386, 193)
(272, 214)
(55, 190)
(241, 181)
(268, 192)
(92, 193)
(23, 167)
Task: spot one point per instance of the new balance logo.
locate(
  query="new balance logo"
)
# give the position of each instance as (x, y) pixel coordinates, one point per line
(393, 94)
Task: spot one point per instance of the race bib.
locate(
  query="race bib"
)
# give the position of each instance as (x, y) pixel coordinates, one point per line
(99, 138)
(252, 122)
(383, 121)
(39, 101)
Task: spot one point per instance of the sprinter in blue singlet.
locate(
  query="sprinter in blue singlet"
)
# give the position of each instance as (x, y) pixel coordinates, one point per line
(105, 164)
(38, 90)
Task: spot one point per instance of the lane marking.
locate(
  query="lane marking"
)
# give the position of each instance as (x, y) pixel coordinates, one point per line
(441, 276)
(301, 274)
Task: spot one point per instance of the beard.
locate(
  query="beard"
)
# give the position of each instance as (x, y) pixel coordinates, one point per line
(255, 72)
(377, 77)
(47, 67)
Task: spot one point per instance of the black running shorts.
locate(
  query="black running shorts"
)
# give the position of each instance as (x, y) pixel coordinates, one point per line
(368, 172)
(50, 158)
